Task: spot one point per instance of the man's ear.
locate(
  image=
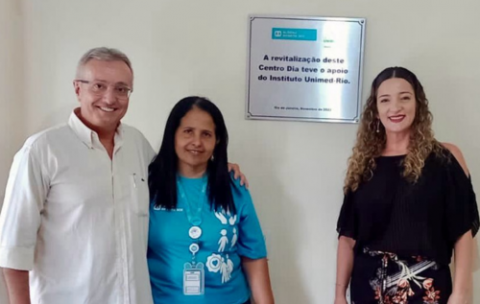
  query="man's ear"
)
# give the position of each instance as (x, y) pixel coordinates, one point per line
(76, 87)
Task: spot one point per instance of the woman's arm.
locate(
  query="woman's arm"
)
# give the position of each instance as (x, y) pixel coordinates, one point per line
(344, 268)
(463, 281)
(259, 280)
(462, 286)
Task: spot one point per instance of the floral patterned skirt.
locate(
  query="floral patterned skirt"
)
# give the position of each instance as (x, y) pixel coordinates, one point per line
(385, 278)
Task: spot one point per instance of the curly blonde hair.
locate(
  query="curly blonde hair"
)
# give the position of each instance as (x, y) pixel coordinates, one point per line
(370, 142)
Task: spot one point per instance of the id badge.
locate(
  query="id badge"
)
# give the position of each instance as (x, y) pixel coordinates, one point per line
(193, 279)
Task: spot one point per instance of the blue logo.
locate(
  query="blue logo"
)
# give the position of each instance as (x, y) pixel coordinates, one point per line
(294, 34)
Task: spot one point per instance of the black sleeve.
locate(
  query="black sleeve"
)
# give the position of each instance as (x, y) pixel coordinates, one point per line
(347, 223)
(461, 205)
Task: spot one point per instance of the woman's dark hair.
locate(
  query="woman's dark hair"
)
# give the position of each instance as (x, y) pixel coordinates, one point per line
(163, 170)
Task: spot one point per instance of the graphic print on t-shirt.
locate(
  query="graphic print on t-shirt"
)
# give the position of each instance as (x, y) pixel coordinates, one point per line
(221, 262)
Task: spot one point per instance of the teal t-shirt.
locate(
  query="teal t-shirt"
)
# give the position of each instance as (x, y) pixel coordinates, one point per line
(225, 238)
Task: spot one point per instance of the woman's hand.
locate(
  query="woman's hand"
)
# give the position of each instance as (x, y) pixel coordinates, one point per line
(341, 300)
(456, 298)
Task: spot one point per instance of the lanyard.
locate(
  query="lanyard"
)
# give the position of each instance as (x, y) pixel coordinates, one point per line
(194, 213)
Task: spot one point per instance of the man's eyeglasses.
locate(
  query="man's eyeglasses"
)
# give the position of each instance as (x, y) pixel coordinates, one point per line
(100, 88)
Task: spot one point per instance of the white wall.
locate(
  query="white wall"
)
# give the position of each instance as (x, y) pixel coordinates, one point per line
(11, 101)
(295, 169)
(11, 86)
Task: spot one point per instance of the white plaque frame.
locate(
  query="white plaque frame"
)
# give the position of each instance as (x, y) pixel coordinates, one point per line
(334, 98)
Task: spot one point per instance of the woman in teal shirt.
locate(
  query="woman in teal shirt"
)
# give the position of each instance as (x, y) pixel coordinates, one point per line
(206, 245)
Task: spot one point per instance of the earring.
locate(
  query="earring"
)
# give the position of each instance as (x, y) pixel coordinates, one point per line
(378, 126)
(212, 158)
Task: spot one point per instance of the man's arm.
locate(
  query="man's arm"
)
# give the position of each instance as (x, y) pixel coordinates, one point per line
(20, 219)
(17, 286)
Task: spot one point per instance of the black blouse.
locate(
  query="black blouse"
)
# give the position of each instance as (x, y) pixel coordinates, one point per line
(426, 218)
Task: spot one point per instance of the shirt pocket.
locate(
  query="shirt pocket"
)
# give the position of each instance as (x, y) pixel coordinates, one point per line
(139, 194)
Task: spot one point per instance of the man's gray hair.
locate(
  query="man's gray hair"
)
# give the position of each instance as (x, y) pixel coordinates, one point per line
(103, 54)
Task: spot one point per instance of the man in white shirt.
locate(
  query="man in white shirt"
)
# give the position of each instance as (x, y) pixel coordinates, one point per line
(75, 215)
(76, 205)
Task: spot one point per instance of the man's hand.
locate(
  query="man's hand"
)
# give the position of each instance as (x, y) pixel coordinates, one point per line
(237, 173)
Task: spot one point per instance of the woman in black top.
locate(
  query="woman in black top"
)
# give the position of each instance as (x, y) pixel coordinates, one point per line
(408, 204)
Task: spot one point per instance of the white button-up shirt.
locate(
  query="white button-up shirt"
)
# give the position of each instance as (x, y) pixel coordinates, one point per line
(77, 219)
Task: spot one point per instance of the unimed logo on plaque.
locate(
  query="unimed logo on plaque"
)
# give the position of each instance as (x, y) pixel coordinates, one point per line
(305, 68)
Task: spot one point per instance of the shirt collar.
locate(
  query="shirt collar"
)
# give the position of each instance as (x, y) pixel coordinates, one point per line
(87, 135)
